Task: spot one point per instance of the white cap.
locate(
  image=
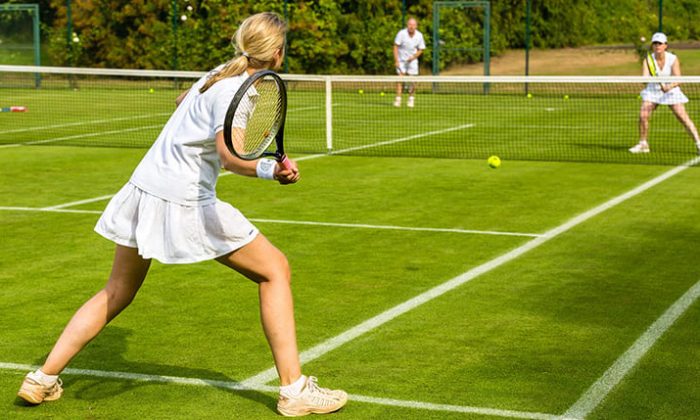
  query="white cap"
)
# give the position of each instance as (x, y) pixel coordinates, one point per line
(659, 37)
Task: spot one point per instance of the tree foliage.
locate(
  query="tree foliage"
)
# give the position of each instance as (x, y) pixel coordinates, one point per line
(339, 36)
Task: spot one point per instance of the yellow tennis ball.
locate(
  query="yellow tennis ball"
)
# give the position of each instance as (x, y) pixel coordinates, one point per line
(381, 93)
(494, 162)
(529, 95)
(360, 91)
(566, 97)
(151, 90)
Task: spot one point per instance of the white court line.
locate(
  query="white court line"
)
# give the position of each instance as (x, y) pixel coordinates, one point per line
(237, 386)
(108, 120)
(101, 133)
(399, 140)
(77, 203)
(50, 210)
(381, 319)
(420, 229)
(60, 209)
(602, 387)
(402, 139)
(46, 127)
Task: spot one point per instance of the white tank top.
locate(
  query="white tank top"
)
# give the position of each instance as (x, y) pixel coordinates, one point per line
(668, 64)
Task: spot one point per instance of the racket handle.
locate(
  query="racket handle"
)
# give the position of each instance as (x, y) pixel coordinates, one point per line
(284, 161)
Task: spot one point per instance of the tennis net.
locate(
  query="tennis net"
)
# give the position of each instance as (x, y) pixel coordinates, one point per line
(588, 119)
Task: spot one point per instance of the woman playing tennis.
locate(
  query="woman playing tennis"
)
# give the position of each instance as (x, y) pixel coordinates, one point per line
(663, 63)
(169, 211)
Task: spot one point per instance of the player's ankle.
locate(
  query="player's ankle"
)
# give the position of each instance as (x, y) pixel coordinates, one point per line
(43, 378)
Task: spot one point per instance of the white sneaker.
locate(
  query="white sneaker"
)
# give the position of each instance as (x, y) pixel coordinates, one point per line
(312, 399)
(35, 392)
(397, 102)
(640, 148)
(410, 102)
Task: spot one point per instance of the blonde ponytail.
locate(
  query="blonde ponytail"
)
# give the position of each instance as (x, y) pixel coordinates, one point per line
(257, 41)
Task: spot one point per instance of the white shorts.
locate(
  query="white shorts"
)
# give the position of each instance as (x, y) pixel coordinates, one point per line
(173, 233)
(407, 67)
(655, 95)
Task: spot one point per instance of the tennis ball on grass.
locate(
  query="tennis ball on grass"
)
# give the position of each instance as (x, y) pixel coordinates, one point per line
(360, 91)
(381, 93)
(529, 95)
(566, 97)
(151, 90)
(494, 162)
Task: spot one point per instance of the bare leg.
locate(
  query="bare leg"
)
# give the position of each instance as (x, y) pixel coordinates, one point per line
(128, 272)
(399, 89)
(682, 116)
(644, 116)
(261, 262)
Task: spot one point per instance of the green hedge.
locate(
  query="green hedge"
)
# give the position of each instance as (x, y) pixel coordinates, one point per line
(338, 36)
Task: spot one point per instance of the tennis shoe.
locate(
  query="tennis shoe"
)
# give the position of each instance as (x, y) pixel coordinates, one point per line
(311, 399)
(397, 102)
(35, 392)
(411, 102)
(640, 148)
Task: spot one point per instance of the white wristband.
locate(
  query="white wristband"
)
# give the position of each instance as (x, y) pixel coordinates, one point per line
(266, 169)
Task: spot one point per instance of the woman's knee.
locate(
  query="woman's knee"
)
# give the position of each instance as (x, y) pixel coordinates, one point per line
(278, 272)
(119, 295)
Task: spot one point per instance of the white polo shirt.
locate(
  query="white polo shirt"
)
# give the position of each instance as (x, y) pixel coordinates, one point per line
(183, 165)
(409, 45)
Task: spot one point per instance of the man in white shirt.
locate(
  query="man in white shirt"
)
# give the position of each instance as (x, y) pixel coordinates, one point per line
(408, 46)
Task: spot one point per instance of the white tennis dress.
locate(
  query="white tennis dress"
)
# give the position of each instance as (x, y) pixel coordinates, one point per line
(168, 210)
(653, 93)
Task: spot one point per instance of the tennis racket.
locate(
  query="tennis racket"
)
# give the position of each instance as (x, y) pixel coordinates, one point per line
(651, 65)
(256, 117)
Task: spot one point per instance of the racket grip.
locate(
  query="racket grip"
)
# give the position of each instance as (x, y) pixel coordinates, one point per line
(284, 161)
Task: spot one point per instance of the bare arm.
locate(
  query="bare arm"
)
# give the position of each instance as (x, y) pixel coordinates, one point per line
(396, 55)
(417, 54)
(676, 68)
(675, 71)
(231, 162)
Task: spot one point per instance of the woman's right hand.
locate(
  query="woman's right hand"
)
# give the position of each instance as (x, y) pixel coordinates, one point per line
(287, 176)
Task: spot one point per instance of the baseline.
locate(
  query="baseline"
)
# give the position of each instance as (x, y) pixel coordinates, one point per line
(238, 386)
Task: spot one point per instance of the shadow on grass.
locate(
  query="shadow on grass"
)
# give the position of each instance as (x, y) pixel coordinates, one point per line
(110, 346)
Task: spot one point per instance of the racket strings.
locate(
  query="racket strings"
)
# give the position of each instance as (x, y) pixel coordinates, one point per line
(261, 110)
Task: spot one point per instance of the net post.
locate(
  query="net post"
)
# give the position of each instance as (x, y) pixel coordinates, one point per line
(487, 44)
(37, 45)
(329, 115)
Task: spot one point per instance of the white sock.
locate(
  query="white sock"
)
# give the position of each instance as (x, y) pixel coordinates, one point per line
(293, 389)
(43, 378)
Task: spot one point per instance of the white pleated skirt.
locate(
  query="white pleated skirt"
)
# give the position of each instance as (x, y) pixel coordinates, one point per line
(657, 96)
(173, 233)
